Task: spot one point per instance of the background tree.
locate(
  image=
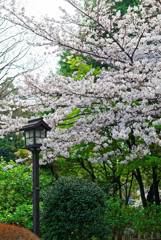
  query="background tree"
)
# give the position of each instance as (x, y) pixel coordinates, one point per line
(15, 60)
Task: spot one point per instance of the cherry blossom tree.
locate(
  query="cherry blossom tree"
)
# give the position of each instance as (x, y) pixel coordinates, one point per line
(122, 103)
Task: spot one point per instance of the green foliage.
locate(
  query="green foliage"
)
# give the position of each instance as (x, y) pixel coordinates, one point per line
(148, 220)
(74, 209)
(77, 66)
(118, 216)
(123, 6)
(72, 167)
(10, 144)
(64, 68)
(70, 119)
(83, 150)
(141, 221)
(21, 215)
(81, 68)
(16, 193)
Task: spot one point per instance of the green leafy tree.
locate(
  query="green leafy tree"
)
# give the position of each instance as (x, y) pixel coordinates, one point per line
(76, 66)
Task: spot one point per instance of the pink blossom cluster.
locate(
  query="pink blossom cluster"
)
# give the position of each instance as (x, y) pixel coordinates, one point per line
(122, 104)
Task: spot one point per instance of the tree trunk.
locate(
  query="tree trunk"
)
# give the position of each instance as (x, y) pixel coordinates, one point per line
(156, 186)
(141, 186)
(150, 196)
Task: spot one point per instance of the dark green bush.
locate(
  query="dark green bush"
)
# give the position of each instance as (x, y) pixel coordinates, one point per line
(74, 209)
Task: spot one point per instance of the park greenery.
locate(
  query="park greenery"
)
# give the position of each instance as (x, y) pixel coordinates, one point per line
(69, 205)
(103, 105)
(16, 193)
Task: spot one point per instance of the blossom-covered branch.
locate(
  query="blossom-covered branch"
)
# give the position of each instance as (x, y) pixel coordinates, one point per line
(121, 101)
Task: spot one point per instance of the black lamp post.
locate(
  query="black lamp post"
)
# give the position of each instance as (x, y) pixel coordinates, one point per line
(35, 132)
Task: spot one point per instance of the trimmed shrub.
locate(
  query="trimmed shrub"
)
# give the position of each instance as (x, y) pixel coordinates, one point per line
(74, 209)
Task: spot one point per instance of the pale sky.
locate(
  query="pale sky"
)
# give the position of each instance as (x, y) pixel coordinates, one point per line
(37, 8)
(49, 7)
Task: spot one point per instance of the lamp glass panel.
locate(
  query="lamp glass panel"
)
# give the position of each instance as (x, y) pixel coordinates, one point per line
(27, 142)
(43, 133)
(31, 141)
(38, 137)
(27, 134)
(38, 141)
(31, 133)
(37, 133)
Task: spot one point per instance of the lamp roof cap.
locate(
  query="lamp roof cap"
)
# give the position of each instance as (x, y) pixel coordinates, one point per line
(35, 123)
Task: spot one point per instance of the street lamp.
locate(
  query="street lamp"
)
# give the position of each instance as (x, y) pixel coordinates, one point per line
(35, 132)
